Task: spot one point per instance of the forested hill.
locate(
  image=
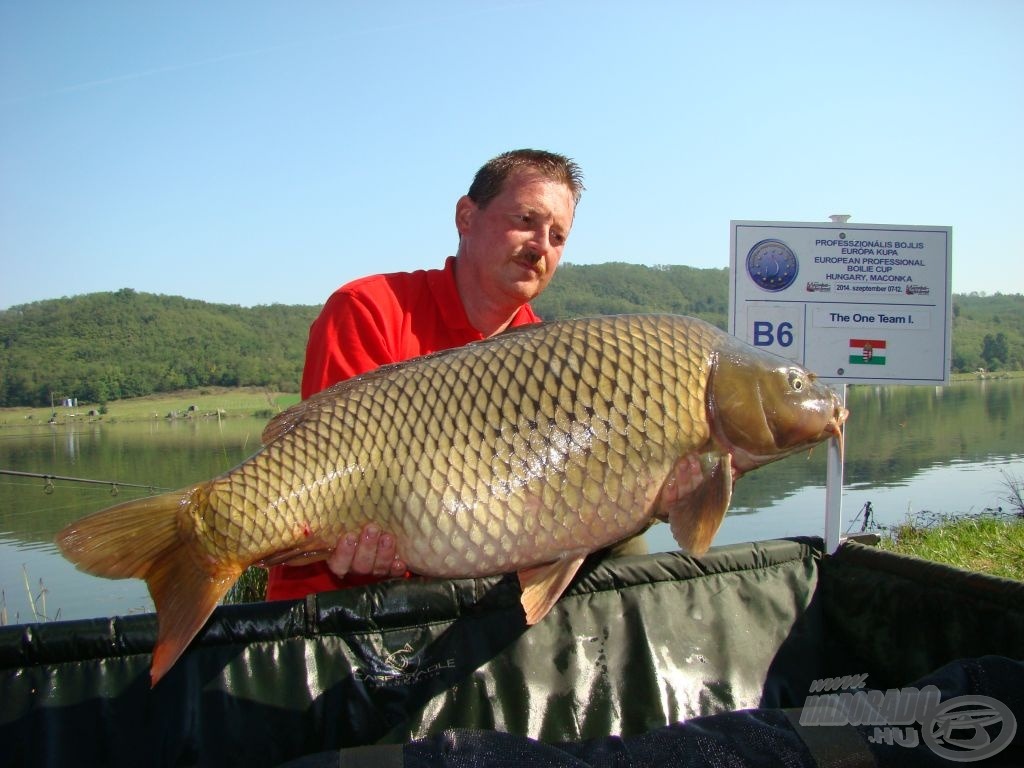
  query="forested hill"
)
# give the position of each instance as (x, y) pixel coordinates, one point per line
(106, 346)
(617, 288)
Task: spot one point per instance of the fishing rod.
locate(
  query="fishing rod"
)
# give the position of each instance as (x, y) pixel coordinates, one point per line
(48, 481)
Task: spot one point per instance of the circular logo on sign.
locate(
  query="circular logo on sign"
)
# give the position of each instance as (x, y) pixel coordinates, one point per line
(772, 265)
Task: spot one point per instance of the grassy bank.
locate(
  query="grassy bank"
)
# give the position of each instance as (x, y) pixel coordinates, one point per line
(986, 544)
(983, 376)
(208, 402)
(987, 375)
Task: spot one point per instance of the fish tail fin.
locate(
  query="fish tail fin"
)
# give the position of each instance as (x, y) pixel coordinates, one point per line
(153, 539)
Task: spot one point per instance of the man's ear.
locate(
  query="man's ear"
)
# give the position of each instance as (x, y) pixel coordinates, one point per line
(465, 209)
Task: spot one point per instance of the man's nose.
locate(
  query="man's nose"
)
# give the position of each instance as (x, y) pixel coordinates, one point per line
(541, 240)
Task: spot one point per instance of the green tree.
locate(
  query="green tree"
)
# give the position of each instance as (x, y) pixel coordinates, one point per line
(995, 350)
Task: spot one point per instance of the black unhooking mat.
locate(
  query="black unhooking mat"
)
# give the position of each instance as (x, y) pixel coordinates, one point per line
(724, 644)
(753, 737)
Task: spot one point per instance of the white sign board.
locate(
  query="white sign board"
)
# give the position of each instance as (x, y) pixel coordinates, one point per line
(854, 303)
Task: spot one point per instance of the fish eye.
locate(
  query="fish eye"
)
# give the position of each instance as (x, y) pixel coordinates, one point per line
(796, 381)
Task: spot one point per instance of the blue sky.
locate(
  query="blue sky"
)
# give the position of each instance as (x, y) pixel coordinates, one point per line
(256, 153)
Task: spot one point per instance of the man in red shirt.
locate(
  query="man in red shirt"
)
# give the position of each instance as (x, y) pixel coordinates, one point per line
(512, 225)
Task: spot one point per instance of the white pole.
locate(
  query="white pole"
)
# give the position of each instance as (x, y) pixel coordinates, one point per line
(834, 489)
(834, 471)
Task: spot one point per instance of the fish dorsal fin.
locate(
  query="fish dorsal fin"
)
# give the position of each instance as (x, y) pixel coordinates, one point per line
(289, 419)
(544, 584)
(696, 516)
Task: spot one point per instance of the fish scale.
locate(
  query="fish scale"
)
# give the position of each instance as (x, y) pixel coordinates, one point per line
(523, 452)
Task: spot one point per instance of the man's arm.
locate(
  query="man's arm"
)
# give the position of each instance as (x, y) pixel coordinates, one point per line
(348, 338)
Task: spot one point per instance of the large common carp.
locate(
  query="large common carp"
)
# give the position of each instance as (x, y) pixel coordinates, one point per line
(524, 452)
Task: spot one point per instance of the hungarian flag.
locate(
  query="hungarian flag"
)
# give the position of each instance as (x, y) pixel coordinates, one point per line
(867, 351)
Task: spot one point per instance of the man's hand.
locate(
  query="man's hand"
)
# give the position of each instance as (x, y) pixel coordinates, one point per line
(372, 552)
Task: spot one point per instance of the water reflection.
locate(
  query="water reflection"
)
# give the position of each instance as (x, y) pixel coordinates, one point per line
(908, 449)
(157, 455)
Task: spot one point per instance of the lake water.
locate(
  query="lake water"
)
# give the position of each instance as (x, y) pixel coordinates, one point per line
(946, 450)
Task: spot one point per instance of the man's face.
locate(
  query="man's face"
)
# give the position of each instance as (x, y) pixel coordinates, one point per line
(511, 247)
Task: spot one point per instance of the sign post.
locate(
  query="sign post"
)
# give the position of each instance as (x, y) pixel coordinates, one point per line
(854, 303)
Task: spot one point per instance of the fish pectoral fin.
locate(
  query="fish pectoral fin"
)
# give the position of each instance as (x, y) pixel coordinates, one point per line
(686, 476)
(544, 584)
(695, 517)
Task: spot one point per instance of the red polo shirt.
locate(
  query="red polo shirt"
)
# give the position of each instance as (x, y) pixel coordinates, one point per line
(365, 324)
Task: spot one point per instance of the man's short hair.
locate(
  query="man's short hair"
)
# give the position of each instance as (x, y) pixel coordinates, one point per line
(488, 182)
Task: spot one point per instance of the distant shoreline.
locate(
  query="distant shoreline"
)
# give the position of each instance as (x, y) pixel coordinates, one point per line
(202, 403)
(232, 402)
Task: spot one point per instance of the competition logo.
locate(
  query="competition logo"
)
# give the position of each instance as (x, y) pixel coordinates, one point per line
(772, 265)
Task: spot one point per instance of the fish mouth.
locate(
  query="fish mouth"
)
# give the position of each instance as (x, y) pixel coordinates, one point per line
(835, 429)
(832, 430)
(745, 459)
